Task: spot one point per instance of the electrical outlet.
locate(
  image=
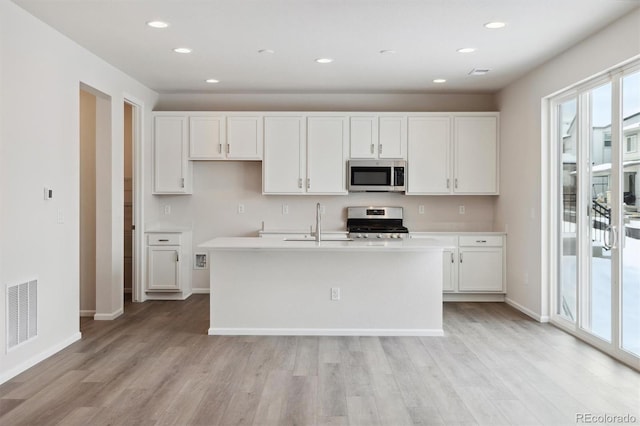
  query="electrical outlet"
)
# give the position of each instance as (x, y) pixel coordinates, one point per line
(240, 208)
(167, 209)
(285, 209)
(461, 209)
(335, 293)
(420, 209)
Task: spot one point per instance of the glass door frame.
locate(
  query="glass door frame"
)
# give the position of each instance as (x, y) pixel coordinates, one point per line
(580, 93)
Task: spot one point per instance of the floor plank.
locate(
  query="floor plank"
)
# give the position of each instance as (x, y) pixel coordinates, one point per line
(156, 365)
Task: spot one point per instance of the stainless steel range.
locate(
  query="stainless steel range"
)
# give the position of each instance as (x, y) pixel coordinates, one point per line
(375, 222)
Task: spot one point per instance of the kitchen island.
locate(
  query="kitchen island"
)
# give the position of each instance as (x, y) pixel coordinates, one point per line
(272, 286)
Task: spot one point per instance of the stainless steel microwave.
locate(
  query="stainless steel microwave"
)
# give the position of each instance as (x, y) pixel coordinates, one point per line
(376, 175)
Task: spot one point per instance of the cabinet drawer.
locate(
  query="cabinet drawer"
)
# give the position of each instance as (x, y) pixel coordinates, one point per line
(481, 240)
(163, 239)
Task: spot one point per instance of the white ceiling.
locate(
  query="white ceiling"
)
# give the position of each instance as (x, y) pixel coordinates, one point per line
(225, 36)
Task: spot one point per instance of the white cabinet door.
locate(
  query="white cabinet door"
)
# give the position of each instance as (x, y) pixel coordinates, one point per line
(244, 138)
(392, 141)
(284, 144)
(449, 270)
(164, 268)
(429, 155)
(476, 155)
(480, 269)
(171, 168)
(207, 137)
(363, 137)
(326, 155)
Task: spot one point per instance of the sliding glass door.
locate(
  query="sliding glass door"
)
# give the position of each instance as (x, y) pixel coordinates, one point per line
(596, 128)
(630, 229)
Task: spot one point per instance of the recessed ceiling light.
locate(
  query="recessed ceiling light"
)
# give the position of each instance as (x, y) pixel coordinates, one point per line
(479, 71)
(157, 24)
(495, 25)
(182, 50)
(324, 60)
(439, 80)
(212, 80)
(466, 50)
(388, 52)
(267, 51)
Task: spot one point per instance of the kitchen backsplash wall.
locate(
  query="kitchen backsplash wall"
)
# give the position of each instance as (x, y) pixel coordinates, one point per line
(219, 187)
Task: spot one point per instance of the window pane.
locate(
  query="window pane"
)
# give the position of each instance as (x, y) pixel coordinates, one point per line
(631, 204)
(598, 318)
(568, 266)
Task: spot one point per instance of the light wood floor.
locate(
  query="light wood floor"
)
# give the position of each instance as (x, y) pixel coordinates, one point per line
(156, 365)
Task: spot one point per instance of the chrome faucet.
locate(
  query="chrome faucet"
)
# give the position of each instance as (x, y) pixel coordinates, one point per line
(318, 223)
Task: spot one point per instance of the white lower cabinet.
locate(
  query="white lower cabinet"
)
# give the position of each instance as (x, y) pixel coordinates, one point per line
(472, 263)
(168, 265)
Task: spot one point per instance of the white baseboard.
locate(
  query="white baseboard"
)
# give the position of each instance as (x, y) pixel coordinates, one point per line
(8, 375)
(200, 291)
(527, 311)
(108, 317)
(168, 296)
(87, 313)
(472, 297)
(323, 332)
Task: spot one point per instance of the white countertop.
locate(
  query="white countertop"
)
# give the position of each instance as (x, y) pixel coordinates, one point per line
(250, 243)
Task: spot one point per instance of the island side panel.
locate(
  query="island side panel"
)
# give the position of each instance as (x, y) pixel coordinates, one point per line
(289, 292)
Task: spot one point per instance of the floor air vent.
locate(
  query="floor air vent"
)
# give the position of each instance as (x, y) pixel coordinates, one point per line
(22, 313)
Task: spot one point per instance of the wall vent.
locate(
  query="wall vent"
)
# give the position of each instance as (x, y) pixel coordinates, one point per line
(22, 313)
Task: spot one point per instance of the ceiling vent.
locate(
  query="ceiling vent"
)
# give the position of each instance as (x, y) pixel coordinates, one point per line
(479, 71)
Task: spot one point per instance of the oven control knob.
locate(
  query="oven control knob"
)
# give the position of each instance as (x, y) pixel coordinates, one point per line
(379, 235)
(365, 235)
(395, 236)
(359, 236)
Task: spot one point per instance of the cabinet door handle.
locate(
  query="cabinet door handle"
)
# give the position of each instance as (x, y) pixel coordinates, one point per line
(177, 257)
(481, 241)
(308, 183)
(163, 240)
(228, 148)
(455, 183)
(372, 148)
(460, 257)
(379, 148)
(452, 259)
(219, 148)
(448, 183)
(181, 182)
(299, 182)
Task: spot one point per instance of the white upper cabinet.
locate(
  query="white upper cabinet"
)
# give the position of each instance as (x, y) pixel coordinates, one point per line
(475, 154)
(392, 142)
(378, 137)
(244, 137)
(305, 155)
(225, 137)
(284, 144)
(207, 137)
(455, 153)
(363, 137)
(171, 168)
(429, 155)
(326, 155)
